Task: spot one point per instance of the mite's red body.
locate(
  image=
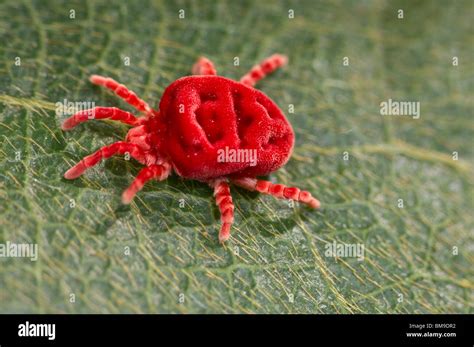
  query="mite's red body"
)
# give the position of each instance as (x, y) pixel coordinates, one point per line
(206, 114)
(199, 118)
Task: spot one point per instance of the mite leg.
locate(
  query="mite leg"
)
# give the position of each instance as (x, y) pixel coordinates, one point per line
(203, 66)
(226, 207)
(265, 67)
(278, 190)
(103, 153)
(126, 94)
(100, 113)
(158, 172)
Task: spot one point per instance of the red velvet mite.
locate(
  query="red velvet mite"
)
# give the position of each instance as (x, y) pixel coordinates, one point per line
(199, 118)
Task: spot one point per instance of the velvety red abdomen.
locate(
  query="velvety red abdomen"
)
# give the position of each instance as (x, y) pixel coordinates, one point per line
(205, 114)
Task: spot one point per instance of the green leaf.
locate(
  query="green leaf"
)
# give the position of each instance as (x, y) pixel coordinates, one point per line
(416, 259)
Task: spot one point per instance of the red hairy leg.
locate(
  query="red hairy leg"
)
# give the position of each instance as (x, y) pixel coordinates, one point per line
(226, 207)
(155, 171)
(119, 147)
(278, 190)
(264, 68)
(203, 66)
(126, 94)
(100, 113)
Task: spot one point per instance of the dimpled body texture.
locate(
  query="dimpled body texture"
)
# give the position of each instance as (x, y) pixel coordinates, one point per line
(205, 114)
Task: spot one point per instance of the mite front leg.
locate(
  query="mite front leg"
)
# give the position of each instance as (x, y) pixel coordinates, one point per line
(226, 207)
(103, 153)
(126, 94)
(203, 67)
(278, 190)
(265, 67)
(112, 113)
(158, 172)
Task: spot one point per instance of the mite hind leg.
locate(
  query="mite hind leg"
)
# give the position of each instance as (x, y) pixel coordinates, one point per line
(264, 68)
(278, 190)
